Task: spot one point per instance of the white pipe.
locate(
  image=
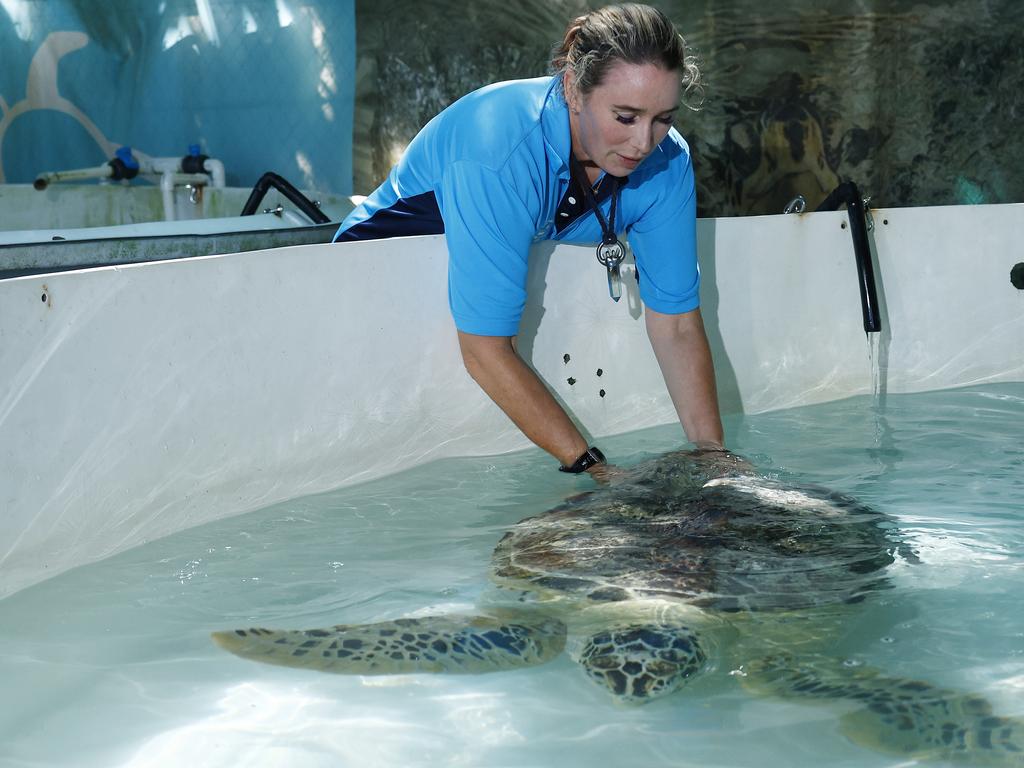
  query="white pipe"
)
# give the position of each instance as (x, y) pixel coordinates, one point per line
(157, 166)
(148, 166)
(167, 193)
(43, 180)
(169, 180)
(216, 170)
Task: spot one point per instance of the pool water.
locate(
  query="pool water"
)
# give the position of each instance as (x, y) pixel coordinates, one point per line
(112, 665)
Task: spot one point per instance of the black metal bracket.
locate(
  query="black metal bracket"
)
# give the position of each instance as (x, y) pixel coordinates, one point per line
(282, 185)
(848, 193)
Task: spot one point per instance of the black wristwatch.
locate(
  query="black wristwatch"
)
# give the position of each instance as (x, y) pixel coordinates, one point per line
(591, 457)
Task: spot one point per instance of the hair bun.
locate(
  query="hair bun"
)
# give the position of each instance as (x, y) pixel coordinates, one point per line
(638, 34)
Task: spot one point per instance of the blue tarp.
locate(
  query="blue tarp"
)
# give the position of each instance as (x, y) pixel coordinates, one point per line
(260, 84)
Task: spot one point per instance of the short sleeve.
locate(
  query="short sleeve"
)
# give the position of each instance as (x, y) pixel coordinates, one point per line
(489, 231)
(664, 240)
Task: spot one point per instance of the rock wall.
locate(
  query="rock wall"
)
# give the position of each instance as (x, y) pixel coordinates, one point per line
(918, 103)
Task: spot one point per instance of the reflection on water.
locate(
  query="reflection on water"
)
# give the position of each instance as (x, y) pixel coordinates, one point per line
(916, 103)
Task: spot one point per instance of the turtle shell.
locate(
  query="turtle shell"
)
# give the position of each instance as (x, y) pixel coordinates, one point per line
(739, 542)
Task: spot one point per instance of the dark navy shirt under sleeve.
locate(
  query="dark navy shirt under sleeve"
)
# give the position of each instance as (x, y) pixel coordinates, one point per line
(491, 172)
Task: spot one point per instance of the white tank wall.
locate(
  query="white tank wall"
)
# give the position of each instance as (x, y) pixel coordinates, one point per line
(138, 401)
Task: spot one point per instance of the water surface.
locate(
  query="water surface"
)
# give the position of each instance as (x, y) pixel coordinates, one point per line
(111, 664)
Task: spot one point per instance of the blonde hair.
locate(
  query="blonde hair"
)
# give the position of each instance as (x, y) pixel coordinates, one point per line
(634, 33)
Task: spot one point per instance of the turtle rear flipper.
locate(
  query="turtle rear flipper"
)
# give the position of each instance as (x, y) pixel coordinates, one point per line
(898, 716)
(637, 663)
(951, 728)
(452, 644)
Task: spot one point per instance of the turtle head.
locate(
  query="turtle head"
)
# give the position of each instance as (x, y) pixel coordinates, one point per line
(640, 663)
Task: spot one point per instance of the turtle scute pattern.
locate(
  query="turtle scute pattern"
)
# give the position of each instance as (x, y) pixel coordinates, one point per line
(637, 664)
(450, 643)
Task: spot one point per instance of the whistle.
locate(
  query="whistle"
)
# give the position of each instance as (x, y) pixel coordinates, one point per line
(610, 256)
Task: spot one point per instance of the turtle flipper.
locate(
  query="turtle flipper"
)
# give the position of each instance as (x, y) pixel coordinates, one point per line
(898, 716)
(638, 663)
(945, 725)
(453, 644)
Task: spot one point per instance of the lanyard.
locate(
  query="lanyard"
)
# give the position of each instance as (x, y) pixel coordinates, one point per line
(611, 251)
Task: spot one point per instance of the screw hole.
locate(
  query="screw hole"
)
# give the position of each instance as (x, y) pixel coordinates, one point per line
(571, 381)
(843, 225)
(43, 298)
(601, 393)
(600, 371)
(565, 358)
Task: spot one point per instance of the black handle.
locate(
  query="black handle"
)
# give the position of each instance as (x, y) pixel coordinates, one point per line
(282, 185)
(848, 193)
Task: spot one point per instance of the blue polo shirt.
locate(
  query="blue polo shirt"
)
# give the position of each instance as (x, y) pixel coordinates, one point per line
(491, 172)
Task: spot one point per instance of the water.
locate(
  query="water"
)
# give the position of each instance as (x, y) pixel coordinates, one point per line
(111, 664)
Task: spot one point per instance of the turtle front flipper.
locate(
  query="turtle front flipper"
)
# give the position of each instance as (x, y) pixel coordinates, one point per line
(452, 644)
(637, 663)
(898, 716)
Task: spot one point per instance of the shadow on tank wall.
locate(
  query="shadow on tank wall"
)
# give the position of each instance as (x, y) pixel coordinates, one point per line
(919, 104)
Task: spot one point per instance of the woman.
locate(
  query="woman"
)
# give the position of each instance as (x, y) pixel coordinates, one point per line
(574, 157)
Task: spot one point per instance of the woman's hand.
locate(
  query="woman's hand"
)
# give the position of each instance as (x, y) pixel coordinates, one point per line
(607, 474)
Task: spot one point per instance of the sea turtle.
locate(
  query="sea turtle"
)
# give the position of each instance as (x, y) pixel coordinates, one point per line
(688, 562)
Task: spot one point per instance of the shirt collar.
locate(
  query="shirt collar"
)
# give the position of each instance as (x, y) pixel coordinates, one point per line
(554, 120)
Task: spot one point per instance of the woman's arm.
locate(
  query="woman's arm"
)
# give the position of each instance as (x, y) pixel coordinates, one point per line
(681, 347)
(493, 363)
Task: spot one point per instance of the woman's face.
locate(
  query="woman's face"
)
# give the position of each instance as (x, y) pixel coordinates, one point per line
(622, 120)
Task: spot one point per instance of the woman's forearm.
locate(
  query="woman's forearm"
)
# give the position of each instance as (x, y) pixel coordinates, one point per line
(493, 363)
(681, 347)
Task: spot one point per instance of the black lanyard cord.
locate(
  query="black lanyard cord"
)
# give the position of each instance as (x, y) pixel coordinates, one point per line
(608, 236)
(610, 252)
